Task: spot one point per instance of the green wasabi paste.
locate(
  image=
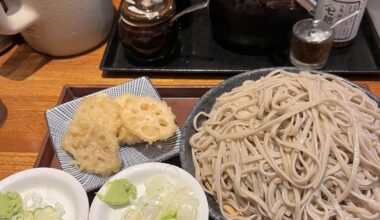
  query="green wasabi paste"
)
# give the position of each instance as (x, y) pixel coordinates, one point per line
(10, 204)
(119, 192)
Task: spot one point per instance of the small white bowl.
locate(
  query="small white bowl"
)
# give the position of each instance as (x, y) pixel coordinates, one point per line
(55, 186)
(138, 175)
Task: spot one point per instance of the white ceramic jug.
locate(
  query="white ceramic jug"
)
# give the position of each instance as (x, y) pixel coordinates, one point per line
(58, 27)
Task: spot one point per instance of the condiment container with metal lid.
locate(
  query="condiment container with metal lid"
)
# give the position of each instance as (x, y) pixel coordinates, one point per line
(311, 43)
(145, 28)
(147, 12)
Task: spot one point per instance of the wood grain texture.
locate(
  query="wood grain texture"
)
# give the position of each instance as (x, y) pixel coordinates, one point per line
(30, 83)
(12, 162)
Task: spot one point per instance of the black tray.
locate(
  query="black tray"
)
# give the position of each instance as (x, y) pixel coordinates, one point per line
(200, 54)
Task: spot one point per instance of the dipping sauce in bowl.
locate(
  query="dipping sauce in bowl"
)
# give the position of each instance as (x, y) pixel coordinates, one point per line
(311, 44)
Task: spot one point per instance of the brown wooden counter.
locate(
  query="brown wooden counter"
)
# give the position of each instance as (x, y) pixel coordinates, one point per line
(30, 83)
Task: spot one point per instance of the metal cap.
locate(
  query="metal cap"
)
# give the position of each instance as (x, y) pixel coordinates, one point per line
(146, 12)
(312, 30)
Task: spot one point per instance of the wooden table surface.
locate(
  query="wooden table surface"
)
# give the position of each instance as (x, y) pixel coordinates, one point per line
(30, 83)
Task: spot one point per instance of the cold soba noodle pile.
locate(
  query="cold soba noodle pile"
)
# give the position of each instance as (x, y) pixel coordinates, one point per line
(291, 146)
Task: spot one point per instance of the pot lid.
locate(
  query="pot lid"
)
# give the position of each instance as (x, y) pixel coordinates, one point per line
(145, 12)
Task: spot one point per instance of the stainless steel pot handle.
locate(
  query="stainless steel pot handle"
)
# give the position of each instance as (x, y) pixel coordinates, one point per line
(190, 9)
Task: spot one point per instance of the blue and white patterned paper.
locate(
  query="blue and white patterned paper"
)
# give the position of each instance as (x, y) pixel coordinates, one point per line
(59, 118)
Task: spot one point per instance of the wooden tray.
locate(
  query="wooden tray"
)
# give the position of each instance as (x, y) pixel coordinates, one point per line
(181, 99)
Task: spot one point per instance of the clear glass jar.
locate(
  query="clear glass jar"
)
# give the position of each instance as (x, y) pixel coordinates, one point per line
(311, 44)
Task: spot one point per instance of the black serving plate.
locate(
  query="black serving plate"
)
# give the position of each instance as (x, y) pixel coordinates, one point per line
(200, 54)
(205, 104)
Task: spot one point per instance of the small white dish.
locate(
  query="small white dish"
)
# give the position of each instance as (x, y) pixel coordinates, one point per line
(137, 175)
(54, 186)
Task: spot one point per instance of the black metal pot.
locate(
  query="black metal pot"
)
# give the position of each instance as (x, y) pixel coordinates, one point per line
(248, 25)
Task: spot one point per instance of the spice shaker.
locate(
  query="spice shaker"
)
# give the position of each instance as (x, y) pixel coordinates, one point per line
(331, 11)
(146, 31)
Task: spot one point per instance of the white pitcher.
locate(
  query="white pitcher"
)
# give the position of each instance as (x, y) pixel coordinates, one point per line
(58, 27)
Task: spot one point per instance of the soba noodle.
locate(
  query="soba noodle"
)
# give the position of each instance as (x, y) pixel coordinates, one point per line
(291, 146)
